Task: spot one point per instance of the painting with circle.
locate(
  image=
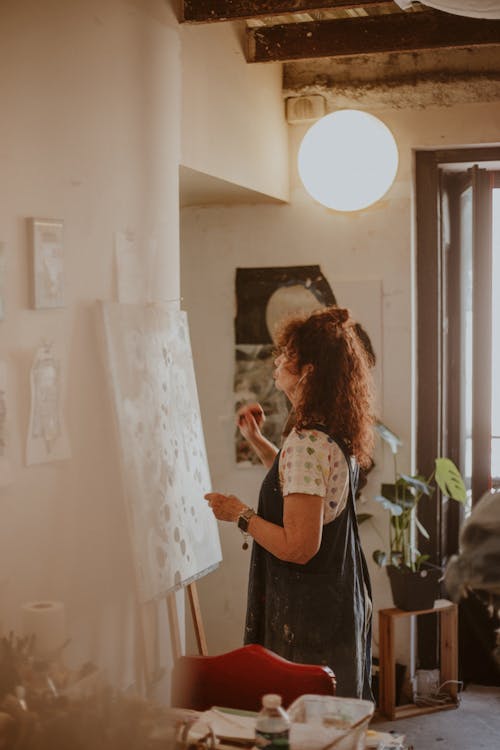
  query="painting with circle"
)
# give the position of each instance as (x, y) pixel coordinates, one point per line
(264, 297)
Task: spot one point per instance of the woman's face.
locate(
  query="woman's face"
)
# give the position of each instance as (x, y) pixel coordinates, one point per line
(286, 375)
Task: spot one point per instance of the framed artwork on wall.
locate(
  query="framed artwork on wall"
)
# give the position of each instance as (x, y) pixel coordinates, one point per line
(47, 268)
(5, 471)
(47, 438)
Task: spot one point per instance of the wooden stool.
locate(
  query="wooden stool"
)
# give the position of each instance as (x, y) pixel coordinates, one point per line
(448, 620)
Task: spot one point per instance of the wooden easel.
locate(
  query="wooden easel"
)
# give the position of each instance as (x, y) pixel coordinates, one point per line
(173, 619)
(145, 680)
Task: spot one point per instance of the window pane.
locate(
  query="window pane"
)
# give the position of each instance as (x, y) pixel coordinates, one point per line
(495, 460)
(495, 350)
(466, 285)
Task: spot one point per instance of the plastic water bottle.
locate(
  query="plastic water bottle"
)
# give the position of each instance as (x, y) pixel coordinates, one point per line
(272, 726)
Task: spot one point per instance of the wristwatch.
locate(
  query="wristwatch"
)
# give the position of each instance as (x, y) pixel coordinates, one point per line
(244, 519)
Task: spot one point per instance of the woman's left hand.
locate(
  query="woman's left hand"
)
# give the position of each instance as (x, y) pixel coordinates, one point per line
(225, 507)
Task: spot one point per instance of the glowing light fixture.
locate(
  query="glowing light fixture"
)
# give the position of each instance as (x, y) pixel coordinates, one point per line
(348, 160)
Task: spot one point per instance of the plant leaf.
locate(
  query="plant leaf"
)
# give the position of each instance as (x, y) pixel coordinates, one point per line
(401, 493)
(421, 559)
(362, 517)
(398, 493)
(388, 436)
(388, 491)
(450, 480)
(422, 530)
(380, 558)
(393, 508)
(396, 558)
(417, 484)
(408, 502)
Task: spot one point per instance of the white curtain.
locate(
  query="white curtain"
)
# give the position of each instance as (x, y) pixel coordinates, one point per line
(472, 8)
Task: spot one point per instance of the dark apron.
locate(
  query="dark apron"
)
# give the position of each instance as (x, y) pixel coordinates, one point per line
(314, 613)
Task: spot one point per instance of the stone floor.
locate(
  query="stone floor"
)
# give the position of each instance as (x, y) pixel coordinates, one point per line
(475, 725)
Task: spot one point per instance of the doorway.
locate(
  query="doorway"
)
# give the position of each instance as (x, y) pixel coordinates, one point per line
(458, 227)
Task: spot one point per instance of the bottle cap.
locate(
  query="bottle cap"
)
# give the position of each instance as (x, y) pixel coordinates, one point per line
(271, 700)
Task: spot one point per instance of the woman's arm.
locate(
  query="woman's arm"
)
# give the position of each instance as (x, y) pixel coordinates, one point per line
(249, 420)
(297, 541)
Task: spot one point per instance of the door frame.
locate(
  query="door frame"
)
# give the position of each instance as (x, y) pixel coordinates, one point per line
(431, 296)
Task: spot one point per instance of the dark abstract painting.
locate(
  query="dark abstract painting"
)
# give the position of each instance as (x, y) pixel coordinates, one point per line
(264, 297)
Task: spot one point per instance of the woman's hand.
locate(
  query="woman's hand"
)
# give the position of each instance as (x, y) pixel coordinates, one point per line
(250, 419)
(225, 507)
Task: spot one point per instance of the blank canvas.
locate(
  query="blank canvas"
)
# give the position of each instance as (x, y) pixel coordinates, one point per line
(165, 470)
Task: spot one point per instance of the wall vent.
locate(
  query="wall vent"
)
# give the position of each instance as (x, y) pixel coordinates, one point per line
(305, 108)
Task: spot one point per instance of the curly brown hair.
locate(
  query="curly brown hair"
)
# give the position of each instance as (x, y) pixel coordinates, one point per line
(337, 391)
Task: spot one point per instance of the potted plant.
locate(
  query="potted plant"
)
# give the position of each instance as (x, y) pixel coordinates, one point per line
(414, 581)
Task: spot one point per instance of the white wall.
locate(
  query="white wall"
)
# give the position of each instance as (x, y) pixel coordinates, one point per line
(89, 92)
(233, 116)
(94, 98)
(90, 133)
(372, 244)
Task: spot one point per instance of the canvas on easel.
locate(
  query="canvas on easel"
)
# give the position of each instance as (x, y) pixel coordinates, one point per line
(165, 470)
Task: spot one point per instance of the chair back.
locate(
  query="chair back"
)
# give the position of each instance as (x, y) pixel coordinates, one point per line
(239, 679)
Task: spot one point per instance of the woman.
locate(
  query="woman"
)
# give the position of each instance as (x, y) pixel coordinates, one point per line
(309, 590)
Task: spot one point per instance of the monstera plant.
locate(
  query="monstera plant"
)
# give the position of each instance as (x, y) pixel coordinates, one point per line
(409, 571)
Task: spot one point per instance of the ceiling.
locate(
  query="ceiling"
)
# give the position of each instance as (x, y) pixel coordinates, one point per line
(352, 51)
(288, 30)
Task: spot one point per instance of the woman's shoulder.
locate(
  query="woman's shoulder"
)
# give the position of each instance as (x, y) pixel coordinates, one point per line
(314, 440)
(310, 437)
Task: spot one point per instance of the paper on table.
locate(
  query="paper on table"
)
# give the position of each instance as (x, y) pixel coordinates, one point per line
(224, 725)
(241, 728)
(314, 736)
(235, 728)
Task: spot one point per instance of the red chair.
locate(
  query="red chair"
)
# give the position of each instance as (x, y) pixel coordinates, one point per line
(239, 679)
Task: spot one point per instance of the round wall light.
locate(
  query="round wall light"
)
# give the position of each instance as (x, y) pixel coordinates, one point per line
(348, 160)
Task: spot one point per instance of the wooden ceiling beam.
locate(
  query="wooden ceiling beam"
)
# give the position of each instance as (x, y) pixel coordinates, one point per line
(395, 32)
(209, 11)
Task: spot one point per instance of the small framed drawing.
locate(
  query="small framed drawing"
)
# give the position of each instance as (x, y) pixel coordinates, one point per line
(47, 278)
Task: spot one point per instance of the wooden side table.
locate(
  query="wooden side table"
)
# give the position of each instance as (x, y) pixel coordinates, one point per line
(448, 621)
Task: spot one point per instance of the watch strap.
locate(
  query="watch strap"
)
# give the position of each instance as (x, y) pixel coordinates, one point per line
(244, 519)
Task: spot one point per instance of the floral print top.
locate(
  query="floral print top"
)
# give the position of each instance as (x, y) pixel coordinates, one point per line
(312, 463)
